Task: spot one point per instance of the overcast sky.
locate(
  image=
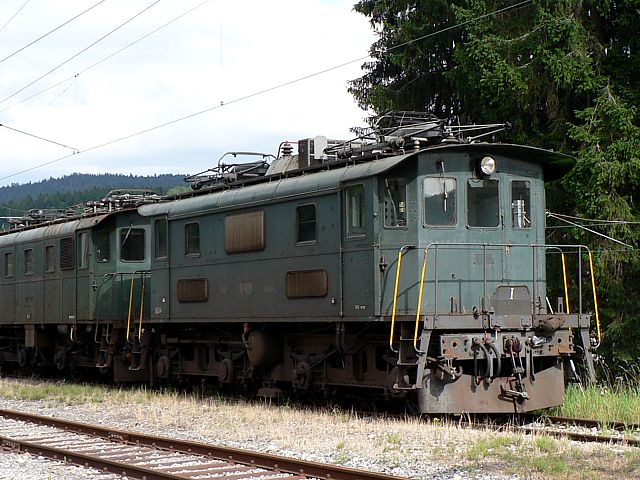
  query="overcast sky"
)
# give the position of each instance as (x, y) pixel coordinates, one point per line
(217, 54)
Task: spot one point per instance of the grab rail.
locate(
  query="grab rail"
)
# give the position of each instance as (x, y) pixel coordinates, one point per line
(395, 294)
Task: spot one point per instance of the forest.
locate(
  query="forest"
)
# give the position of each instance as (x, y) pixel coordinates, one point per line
(566, 74)
(76, 189)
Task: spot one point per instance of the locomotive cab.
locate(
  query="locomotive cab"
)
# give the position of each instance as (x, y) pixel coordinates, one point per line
(469, 310)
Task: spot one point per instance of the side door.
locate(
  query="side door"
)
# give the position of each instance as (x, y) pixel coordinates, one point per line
(357, 250)
(85, 276)
(160, 271)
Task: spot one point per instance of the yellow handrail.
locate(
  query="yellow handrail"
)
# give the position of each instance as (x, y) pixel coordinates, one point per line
(395, 299)
(133, 277)
(424, 271)
(566, 285)
(595, 297)
(141, 307)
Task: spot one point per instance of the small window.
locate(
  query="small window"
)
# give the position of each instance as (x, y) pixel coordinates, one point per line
(354, 197)
(244, 232)
(132, 244)
(306, 223)
(83, 256)
(161, 237)
(440, 201)
(8, 264)
(192, 239)
(28, 261)
(66, 253)
(395, 202)
(50, 258)
(520, 204)
(102, 245)
(307, 283)
(483, 207)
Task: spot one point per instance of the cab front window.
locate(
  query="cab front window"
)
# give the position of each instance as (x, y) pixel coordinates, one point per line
(483, 206)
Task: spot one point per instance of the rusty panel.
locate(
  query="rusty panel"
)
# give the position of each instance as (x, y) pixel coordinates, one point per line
(193, 290)
(307, 283)
(244, 232)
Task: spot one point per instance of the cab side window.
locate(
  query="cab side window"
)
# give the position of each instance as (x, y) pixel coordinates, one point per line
(395, 202)
(354, 201)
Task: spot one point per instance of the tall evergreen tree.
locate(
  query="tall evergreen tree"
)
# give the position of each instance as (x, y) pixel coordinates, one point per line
(565, 72)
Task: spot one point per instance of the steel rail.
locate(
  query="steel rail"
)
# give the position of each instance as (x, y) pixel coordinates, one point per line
(300, 468)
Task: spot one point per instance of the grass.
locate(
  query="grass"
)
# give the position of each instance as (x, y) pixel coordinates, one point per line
(348, 437)
(614, 404)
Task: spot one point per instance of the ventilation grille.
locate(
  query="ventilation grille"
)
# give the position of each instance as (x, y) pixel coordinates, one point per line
(307, 283)
(66, 253)
(193, 290)
(244, 232)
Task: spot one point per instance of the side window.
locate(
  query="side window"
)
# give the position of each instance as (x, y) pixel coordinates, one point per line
(28, 261)
(102, 246)
(83, 254)
(132, 245)
(160, 237)
(8, 264)
(244, 232)
(483, 207)
(306, 223)
(395, 202)
(50, 258)
(192, 238)
(354, 199)
(66, 253)
(440, 201)
(520, 204)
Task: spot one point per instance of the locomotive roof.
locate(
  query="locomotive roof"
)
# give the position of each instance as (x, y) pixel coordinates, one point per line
(301, 182)
(61, 228)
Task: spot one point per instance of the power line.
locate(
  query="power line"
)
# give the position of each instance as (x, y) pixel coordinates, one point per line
(50, 32)
(14, 15)
(75, 150)
(255, 94)
(80, 52)
(107, 57)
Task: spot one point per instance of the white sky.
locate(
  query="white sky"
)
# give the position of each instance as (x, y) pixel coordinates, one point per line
(220, 52)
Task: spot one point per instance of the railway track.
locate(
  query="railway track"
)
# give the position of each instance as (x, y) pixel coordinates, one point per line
(575, 429)
(148, 457)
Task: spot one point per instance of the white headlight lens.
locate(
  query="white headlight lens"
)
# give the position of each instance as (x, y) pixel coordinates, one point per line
(488, 165)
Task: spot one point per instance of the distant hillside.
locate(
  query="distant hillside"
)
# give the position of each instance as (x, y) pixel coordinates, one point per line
(77, 188)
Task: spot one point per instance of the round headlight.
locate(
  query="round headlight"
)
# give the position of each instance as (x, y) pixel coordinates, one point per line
(488, 165)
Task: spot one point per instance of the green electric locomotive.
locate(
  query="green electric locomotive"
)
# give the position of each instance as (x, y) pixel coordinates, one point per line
(409, 263)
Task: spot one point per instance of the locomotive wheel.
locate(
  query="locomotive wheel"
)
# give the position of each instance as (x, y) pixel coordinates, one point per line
(226, 371)
(21, 356)
(302, 376)
(162, 367)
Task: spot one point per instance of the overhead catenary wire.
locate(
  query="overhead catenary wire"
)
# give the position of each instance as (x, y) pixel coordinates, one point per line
(260, 92)
(104, 59)
(596, 220)
(50, 31)
(75, 150)
(80, 52)
(14, 15)
(594, 232)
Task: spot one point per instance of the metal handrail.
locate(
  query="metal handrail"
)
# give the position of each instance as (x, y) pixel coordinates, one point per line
(395, 294)
(436, 245)
(143, 274)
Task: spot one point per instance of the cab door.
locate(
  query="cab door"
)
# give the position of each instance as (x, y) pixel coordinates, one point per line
(160, 271)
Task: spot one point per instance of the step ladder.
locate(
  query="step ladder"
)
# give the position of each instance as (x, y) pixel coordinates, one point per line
(410, 364)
